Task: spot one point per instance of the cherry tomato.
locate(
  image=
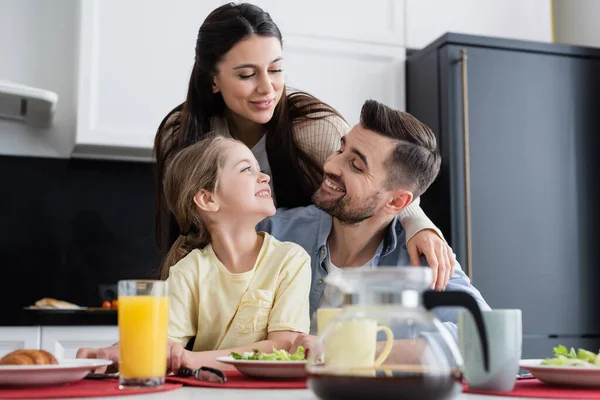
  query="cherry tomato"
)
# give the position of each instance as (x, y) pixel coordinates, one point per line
(106, 304)
(115, 303)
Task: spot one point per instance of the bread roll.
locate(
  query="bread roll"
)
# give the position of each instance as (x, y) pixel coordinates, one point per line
(28, 357)
(48, 302)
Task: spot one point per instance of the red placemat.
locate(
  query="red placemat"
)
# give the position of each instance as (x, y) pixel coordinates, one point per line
(538, 389)
(83, 388)
(236, 380)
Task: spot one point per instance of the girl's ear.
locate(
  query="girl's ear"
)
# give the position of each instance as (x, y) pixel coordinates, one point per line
(206, 201)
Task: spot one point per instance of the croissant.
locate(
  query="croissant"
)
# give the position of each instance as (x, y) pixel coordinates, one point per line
(28, 357)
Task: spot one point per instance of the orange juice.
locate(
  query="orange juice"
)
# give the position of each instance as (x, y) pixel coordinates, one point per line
(143, 322)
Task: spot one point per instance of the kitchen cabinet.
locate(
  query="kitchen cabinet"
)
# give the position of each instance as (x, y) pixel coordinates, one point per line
(64, 341)
(517, 124)
(515, 19)
(19, 337)
(131, 74)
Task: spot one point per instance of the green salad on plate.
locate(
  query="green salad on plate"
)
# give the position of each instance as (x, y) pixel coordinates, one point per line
(276, 355)
(571, 358)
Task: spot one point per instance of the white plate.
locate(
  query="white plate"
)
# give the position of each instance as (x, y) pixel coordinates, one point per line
(571, 376)
(41, 375)
(268, 369)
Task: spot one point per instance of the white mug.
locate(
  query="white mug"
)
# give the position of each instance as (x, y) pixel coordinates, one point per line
(505, 336)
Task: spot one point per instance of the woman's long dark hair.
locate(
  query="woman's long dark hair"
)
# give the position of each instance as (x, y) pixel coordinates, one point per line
(295, 174)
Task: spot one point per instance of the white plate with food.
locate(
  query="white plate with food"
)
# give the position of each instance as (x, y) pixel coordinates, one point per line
(64, 371)
(276, 365)
(568, 368)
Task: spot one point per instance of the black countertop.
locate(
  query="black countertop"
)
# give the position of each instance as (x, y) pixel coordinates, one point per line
(92, 316)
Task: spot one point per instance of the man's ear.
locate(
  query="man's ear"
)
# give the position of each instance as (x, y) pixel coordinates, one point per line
(206, 201)
(400, 199)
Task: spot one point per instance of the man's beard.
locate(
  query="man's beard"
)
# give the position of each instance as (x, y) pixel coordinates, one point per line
(347, 210)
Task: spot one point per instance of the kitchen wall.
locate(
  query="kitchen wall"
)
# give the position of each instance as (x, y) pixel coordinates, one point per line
(38, 43)
(112, 95)
(576, 22)
(514, 19)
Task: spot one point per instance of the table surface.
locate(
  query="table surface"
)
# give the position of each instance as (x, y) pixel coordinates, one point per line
(195, 393)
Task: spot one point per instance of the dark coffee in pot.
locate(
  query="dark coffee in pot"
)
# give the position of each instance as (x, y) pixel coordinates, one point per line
(398, 386)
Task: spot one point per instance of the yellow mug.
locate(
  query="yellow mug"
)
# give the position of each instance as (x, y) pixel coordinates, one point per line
(353, 344)
(324, 316)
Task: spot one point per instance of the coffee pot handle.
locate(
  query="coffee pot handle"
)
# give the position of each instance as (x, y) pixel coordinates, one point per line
(432, 299)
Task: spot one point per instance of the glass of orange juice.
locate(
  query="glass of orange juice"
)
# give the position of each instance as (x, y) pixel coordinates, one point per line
(143, 320)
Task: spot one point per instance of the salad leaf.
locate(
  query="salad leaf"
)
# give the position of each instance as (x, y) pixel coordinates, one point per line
(560, 350)
(276, 355)
(572, 358)
(586, 356)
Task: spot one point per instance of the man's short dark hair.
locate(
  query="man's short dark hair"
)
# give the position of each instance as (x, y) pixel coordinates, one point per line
(415, 161)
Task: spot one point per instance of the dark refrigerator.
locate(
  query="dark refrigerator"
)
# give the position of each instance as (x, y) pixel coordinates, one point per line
(517, 124)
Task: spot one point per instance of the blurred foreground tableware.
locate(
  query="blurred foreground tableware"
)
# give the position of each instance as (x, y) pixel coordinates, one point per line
(325, 315)
(65, 371)
(505, 341)
(206, 374)
(566, 376)
(386, 343)
(267, 368)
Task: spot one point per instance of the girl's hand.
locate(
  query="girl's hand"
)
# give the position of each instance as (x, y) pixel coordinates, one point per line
(440, 256)
(106, 353)
(305, 341)
(177, 356)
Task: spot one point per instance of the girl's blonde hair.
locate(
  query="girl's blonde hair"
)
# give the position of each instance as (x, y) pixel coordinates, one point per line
(192, 169)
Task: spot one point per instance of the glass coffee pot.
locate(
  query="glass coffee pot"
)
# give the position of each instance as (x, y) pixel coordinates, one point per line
(386, 342)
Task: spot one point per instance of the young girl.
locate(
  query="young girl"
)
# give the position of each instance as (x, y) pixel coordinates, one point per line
(230, 288)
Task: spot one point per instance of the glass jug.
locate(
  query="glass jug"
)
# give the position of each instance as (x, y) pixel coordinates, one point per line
(385, 342)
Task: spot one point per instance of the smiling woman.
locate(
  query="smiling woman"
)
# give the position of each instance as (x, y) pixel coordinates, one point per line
(237, 89)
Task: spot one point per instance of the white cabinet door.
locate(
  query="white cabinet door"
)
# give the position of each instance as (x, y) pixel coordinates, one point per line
(373, 21)
(64, 341)
(515, 19)
(133, 71)
(350, 51)
(19, 337)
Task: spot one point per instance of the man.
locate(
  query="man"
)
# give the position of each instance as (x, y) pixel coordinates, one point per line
(384, 162)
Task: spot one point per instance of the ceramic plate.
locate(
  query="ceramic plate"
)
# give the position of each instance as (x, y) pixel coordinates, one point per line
(571, 376)
(268, 369)
(81, 310)
(42, 375)
(36, 308)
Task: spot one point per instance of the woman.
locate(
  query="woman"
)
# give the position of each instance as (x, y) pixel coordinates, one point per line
(237, 89)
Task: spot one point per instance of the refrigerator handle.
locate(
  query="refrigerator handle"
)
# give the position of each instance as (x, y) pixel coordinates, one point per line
(466, 159)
